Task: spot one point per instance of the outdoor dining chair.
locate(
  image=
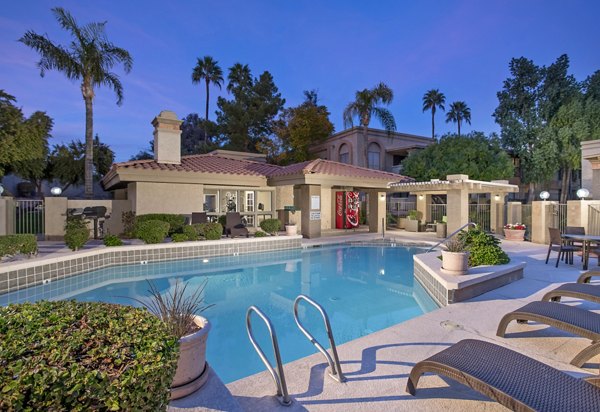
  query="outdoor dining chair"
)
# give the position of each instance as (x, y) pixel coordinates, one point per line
(565, 251)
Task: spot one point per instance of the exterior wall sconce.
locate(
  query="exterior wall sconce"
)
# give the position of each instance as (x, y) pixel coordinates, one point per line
(496, 197)
(382, 197)
(1, 190)
(544, 195)
(56, 191)
(583, 193)
(421, 197)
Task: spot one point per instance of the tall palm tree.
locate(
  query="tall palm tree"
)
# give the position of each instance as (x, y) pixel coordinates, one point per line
(239, 75)
(207, 69)
(459, 112)
(433, 100)
(89, 58)
(365, 106)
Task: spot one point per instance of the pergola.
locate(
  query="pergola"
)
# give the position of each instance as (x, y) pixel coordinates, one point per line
(457, 189)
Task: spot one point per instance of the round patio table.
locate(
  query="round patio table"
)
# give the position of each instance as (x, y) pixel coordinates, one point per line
(586, 241)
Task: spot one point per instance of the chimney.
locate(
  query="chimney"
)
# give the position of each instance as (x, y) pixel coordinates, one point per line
(167, 138)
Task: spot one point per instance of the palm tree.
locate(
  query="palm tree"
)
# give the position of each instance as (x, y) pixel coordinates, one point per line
(89, 59)
(432, 100)
(239, 75)
(459, 112)
(366, 105)
(207, 69)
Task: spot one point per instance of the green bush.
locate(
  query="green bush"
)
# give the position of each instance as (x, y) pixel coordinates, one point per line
(260, 234)
(76, 232)
(191, 232)
(151, 231)
(112, 240)
(176, 222)
(271, 226)
(12, 244)
(484, 249)
(211, 230)
(222, 221)
(82, 356)
(128, 220)
(179, 237)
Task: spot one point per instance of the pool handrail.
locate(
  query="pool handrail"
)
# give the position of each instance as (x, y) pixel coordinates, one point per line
(278, 376)
(335, 369)
(444, 240)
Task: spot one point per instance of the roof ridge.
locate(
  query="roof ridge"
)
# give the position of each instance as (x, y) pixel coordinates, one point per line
(230, 158)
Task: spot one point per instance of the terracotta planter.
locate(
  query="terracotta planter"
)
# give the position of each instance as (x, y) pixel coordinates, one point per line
(192, 369)
(512, 234)
(455, 263)
(291, 230)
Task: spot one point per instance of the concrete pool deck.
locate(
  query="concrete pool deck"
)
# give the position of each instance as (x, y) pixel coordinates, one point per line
(377, 365)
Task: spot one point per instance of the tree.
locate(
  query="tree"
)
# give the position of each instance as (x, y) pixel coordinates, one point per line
(89, 59)
(433, 100)
(23, 141)
(193, 130)
(247, 122)
(459, 112)
(67, 161)
(473, 154)
(207, 69)
(302, 126)
(366, 105)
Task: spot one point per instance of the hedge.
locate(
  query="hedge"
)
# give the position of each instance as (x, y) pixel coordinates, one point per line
(211, 230)
(271, 226)
(81, 356)
(151, 231)
(112, 240)
(176, 222)
(76, 232)
(260, 234)
(13, 244)
(179, 237)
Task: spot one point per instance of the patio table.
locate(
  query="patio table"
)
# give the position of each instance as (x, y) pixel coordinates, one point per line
(586, 241)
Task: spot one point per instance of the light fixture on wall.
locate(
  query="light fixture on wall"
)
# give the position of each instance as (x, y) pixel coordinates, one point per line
(544, 195)
(382, 197)
(421, 197)
(1, 190)
(583, 193)
(56, 191)
(496, 197)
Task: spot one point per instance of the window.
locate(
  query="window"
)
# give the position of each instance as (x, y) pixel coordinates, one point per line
(210, 203)
(373, 155)
(249, 201)
(344, 154)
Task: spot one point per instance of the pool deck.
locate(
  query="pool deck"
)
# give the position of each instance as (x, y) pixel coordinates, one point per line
(377, 365)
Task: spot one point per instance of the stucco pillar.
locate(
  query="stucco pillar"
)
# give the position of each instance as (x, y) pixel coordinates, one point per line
(310, 204)
(497, 213)
(55, 217)
(578, 212)
(7, 213)
(541, 220)
(422, 206)
(514, 212)
(457, 209)
(376, 211)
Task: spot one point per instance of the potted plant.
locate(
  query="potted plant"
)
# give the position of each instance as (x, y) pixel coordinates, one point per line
(515, 231)
(291, 228)
(413, 221)
(455, 259)
(180, 312)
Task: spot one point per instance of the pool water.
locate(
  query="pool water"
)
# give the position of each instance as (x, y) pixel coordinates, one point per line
(363, 289)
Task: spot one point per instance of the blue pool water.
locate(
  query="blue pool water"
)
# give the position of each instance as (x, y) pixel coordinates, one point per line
(363, 288)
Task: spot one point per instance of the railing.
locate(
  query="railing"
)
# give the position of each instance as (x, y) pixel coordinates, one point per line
(559, 216)
(480, 214)
(278, 376)
(450, 235)
(593, 220)
(335, 369)
(400, 207)
(29, 216)
(437, 212)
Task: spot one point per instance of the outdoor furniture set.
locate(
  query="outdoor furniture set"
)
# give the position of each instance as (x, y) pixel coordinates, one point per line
(573, 240)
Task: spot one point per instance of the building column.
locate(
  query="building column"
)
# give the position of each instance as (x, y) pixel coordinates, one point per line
(422, 208)
(578, 212)
(457, 209)
(497, 213)
(310, 205)
(55, 217)
(376, 211)
(7, 215)
(541, 220)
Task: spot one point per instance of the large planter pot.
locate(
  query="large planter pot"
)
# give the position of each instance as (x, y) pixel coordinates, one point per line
(291, 230)
(192, 369)
(455, 263)
(511, 234)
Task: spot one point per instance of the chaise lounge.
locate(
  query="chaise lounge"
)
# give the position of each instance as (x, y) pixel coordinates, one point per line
(564, 317)
(234, 226)
(516, 381)
(586, 277)
(583, 291)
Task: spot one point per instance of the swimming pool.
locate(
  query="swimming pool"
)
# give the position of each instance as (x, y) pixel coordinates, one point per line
(363, 288)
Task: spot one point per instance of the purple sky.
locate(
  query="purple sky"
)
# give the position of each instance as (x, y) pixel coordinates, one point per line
(337, 47)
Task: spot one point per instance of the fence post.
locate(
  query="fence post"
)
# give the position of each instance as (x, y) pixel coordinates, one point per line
(541, 220)
(497, 214)
(55, 217)
(7, 215)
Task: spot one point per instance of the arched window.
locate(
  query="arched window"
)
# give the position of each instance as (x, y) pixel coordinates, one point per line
(344, 154)
(374, 156)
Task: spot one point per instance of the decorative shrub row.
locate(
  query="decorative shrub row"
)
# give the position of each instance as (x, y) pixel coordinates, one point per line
(271, 226)
(78, 356)
(484, 249)
(260, 234)
(202, 231)
(13, 244)
(151, 231)
(176, 222)
(76, 232)
(112, 240)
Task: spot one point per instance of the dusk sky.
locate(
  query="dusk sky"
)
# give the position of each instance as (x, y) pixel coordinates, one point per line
(336, 47)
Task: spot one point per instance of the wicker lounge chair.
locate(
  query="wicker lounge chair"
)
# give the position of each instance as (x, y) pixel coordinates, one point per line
(234, 226)
(199, 217)
(564, 317)
(514, 380)
(582, 291)
(586, 277)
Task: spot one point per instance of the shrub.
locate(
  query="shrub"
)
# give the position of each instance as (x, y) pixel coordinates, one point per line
(211, 230)
(484, 248)
(222, 221)
(456, 245)
(179, 237)
(151, 231)
(415, 215)
(81, 356)
(191, 232)
(112, 240)
(271, 226)
(12, 244)
(176, 222)
(76, 232)
(128, 220)
(260, 234)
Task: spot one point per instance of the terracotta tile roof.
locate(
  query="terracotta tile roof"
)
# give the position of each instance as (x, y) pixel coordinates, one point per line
(205, 163)
(328, 167)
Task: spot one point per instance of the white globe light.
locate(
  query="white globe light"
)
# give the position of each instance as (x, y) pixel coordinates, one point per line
(56, 191)
(1, 190)
(583, 193)
(544, 195)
